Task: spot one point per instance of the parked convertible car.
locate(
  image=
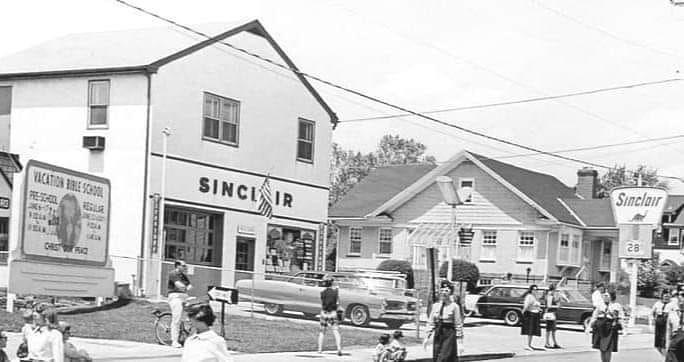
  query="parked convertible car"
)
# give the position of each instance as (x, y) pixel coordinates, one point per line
(361, 301)
(506, 301)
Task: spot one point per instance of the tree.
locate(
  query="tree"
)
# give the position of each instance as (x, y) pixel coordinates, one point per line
(621, 176)
(673, 274)
(650, 278)
(348, 167)
(401, 266)
(462, 270)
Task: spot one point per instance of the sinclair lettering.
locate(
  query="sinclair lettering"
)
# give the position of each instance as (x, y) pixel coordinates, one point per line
(638, 205)
(242, 192)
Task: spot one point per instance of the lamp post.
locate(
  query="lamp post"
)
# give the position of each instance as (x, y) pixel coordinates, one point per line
(166, 132)
(451, 198)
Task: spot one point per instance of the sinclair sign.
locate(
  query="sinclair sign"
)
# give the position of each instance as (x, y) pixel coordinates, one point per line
(637, 211)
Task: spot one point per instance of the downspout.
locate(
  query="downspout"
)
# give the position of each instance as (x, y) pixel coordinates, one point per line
(141, 260)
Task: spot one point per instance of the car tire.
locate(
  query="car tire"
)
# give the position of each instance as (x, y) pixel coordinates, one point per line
(359, 315)
(512, 318)
(394, 324)
(273, 309)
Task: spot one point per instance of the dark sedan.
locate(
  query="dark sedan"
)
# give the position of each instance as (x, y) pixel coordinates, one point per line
(506, 301)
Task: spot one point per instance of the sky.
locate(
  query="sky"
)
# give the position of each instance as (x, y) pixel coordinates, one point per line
(427, 55)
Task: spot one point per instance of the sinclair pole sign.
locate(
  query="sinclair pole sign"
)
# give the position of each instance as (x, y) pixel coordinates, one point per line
(637, 211)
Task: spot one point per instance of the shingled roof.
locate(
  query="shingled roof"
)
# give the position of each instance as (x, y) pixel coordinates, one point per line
(593, 212)
(380, 185)
(544, 189)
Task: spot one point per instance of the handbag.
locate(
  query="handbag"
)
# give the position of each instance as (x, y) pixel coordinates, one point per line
(340, 315)
(22, 351)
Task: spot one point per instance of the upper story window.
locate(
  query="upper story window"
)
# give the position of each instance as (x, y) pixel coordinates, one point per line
(221, 119)
(467, 185)
(488, 245)
(355, 240)
(305, 140)
(385, 241)
(673, 237)
(526, 246)
(98, 103)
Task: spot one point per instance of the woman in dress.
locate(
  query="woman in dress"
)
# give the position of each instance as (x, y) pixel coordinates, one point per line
(446, 326)
(531, 315)
(330, 303)
(550, 317)
(659, 313)
(606, 322)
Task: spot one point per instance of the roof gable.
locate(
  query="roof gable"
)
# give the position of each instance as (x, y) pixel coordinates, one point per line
(380, 185)
(539, 190)
(142, 50)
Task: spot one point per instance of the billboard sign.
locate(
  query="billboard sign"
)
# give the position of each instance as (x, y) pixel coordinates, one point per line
(65, 215)
(638, 205)
(637, 212)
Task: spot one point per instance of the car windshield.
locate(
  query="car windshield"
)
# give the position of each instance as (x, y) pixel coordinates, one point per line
(574, 296)
(379, 283)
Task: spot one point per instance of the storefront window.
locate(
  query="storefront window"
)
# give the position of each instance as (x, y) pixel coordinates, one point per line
(4, 246)
(192, 236)
(289, 249)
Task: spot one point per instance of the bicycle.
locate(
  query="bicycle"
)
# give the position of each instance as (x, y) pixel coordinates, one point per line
(162, 325)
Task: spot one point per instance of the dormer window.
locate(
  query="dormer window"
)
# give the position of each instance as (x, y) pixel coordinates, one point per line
(466, 187)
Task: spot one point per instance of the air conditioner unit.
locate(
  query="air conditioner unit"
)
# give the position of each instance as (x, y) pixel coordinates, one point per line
(94, 143)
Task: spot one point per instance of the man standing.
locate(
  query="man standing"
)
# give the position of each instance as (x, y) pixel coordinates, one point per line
(596, 297)
(178, 286)
(675, 350)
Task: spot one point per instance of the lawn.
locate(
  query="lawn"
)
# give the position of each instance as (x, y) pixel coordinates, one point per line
(134, 322)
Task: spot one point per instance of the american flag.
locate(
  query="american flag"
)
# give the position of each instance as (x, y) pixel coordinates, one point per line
(265, 200)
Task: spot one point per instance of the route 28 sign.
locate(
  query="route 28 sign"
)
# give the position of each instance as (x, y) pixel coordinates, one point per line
(637, 212)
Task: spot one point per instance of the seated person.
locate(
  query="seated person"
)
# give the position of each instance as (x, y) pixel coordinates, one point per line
(382, 349)
(397, 348)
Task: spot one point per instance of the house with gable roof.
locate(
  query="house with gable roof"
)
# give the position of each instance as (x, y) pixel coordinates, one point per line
(114, 103)
(527, 225)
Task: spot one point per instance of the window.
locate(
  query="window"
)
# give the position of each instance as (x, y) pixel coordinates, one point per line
(575, 257)
(466, 185)
(221, 119)
(385, 241)
(192, 236)
(484, 282)
(488, 246)
(4, 246)
(98, 103)
(564, 250)
(526, 246)
(355, 240)
(305, 140)
(289, 249)
(5, 101)
(673, 238)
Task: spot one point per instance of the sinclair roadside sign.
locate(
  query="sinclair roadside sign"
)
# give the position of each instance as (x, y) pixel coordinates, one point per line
(637, 211)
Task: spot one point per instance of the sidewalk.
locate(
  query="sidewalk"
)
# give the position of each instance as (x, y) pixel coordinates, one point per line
(482, 341)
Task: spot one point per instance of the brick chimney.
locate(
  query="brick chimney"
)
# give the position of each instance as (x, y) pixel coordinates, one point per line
(587, 183)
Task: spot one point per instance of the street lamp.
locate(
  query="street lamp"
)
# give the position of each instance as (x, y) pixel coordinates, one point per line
(166, 133)
(451, 198)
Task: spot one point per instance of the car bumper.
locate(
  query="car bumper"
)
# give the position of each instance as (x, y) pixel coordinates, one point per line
(398, 316)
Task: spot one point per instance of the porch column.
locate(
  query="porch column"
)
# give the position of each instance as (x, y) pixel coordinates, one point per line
(614, 261)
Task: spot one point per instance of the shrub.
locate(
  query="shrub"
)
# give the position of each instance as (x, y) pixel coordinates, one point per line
(462, 270)
(401, 266)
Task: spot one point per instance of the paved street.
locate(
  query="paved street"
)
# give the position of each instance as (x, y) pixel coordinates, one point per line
(638, 355)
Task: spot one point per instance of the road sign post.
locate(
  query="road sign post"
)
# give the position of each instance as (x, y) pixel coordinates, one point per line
(637, 212)
(224, 296)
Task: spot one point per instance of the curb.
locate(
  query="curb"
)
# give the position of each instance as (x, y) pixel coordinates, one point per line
(472, 357)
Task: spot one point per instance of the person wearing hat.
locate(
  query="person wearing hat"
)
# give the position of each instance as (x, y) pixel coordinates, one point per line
(71, 353)
(330, 303)
(3, 344)
(446, 325)
(397, 347)
(205, 345)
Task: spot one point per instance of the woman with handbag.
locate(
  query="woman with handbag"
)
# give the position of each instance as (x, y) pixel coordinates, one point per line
(550, 317)
(446, 326)
(606, 323)
(531, 312)
(330, 318)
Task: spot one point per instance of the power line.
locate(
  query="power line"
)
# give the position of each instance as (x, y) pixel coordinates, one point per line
(376, 99)
(525, 100)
